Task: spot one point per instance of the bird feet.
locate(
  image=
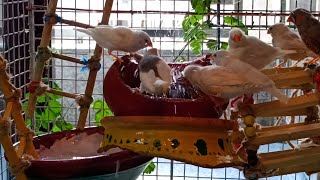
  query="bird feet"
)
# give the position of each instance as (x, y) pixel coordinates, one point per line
(116, 58)
(313, 61)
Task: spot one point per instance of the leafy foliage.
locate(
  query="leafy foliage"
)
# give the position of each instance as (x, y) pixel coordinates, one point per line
(48, 114)
(196, 27)
(150, 168)
(101, 110)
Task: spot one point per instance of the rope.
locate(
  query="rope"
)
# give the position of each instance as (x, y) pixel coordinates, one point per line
(4, 127)
(16, 94)
(27, 134)
(84, 101)
(43, 54)
(90, 64)
(37, 88)
(19, 169)
(48, 17)
(32, 86)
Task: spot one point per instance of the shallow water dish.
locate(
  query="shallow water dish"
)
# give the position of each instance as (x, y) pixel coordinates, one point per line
(181, 100)
(130, 165)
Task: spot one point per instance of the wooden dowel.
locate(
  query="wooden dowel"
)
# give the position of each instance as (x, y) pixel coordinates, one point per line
(40, 63)
(77, 24)
(67, 58)
(61, 93)
(93, 74)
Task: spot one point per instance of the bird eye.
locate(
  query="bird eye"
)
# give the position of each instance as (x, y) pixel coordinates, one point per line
(146, 40)
(214, 55)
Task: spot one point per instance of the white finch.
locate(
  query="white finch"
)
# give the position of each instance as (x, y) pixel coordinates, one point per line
(230, 78)
(252, 50)
(154, 73)
(284, 38)
(118, 38)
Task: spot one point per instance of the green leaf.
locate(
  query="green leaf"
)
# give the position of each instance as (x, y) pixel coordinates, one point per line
(67, 126)
(212, 44)
(38, 133)
(224, 45)
(234, 22)
(150, 168)
(48, 116)
(56, 129)
(98, 116)
(97, 104)
(24, 106)
(42, 99)
(28, 122)
(55, 106)
(27, 95)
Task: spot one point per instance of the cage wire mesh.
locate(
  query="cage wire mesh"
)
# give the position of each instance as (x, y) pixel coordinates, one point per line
(162, 19)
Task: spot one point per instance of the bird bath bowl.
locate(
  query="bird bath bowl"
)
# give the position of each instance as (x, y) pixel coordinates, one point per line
(182, 99)
(121, 165)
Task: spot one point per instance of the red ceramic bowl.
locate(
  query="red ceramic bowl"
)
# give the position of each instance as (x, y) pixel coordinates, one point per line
(123, 101)
(91, 166)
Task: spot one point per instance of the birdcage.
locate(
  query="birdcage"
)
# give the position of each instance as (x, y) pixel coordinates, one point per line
(63, 79)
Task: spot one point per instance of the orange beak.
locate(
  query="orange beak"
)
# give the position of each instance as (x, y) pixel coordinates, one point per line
(289, 19)
(236, 38)
(149, 43)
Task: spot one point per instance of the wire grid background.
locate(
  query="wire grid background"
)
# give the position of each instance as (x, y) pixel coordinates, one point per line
(162, 20)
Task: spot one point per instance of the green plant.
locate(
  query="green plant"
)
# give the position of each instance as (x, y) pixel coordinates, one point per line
(196, 27)
(150, 168)
(48, 113)
(101, 110)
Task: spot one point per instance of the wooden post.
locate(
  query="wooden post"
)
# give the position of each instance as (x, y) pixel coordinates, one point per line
(5, 140)
(42, 56)
(93, 72)
(11, 94)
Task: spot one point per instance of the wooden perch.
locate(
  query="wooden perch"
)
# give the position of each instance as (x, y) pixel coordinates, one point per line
(77, 24)
(61, 93)
(93, 74)
(292, 80)
(290, 161)
(13, 95)
(276, 107)
(284, 133)
(41, 58)
(67, 58)
(5, 140)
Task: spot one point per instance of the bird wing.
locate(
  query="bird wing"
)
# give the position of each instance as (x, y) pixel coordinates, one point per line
(249, 73)
(219, 76)
(112, 38)
(147, 79)
(164, 70)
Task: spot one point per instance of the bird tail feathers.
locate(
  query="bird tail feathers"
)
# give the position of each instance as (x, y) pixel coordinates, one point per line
(277, 93)
(159, 83)
(86, 31)
(283, 52)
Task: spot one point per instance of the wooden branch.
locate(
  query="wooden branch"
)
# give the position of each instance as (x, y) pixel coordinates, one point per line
(271, 108)
(77, 24)
(11, 95)
(285, 133)
(7, 144)
(93, 74)
(61, 93)
(298, 112)
(273, 71)
(284, 159)
(67, 58)
(288, 79)
(40, 62)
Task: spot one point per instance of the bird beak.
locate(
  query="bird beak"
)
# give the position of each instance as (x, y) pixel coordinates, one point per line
(149, 43)
(236, 38)
(289, 19)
